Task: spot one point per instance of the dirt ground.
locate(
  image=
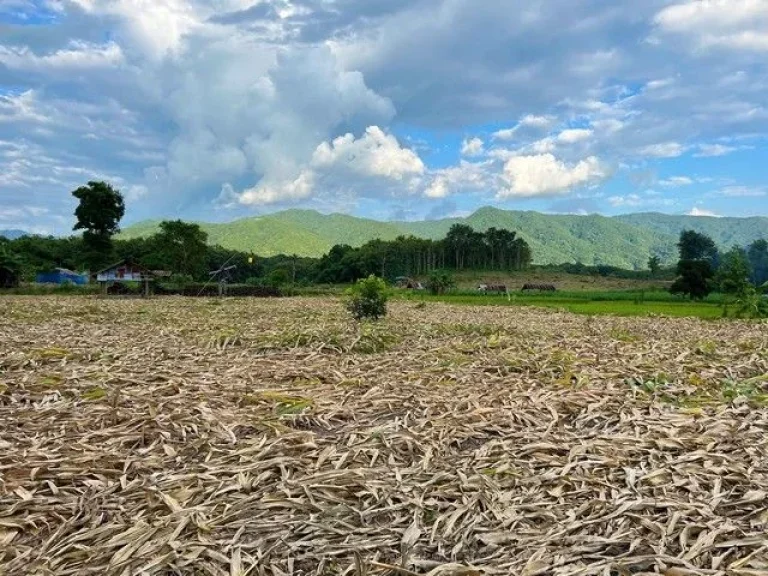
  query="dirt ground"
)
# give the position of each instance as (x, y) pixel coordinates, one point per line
(275, 437)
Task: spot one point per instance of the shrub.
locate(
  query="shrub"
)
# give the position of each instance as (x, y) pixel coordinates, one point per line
(367, 299)
(439, 283)
(751, 304)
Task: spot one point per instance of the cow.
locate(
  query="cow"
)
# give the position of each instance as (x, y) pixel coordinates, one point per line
(539, 287)
(486, 288)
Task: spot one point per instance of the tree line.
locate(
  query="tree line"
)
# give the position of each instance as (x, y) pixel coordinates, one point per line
(702, 268)
(182, 248)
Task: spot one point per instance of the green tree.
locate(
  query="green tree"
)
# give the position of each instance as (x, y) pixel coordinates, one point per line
(100, 209)
(693, 279)
(757, 252)
(182, 247)
(696, 246)
(734, 272)
(654, 265)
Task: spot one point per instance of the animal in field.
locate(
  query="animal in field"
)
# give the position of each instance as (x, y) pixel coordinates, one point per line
(539, 287)
(492, 288)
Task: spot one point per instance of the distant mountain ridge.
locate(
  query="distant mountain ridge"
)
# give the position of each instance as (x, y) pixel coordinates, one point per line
(626, 241)
(13, 233)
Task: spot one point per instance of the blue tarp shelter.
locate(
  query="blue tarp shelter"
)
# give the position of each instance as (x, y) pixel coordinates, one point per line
(61, 276)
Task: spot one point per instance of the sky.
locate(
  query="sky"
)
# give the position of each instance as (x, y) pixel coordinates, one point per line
(392, 109)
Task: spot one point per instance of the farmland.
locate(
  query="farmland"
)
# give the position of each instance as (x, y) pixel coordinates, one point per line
(274, 437)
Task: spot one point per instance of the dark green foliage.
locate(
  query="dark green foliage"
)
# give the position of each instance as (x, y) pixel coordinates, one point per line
(734, 273)
(757, 253)
(100, 209)
(693, 279)
(10, 267)
(654, 265)
(440, 283)
(367, 299)
(697, 246)
(181, 248)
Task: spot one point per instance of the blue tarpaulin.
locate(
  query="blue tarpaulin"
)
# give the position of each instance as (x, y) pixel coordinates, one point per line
(61, 276)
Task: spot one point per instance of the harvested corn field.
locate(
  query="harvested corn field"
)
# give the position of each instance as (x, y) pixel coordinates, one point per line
(181, 436)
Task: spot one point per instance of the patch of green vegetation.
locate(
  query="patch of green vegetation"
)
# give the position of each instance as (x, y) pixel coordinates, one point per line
(51, 353)
(624, 336)
(706, 348)
(587, 304)
(374, 339)
(51, 381)
(93, 394)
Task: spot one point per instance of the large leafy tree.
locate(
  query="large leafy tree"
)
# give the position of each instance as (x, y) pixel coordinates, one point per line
(100, 209)
(182, 247)
(695, 269)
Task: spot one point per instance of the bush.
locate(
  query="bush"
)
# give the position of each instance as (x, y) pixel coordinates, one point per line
(367, 299)
(751, 304)
(439, 283)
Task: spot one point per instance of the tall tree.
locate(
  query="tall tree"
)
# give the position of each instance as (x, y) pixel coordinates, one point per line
(183, 247)
(693, 279)
(100, 209)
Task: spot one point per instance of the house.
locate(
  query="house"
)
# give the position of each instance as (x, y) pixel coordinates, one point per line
(123, 272)
(61, 276)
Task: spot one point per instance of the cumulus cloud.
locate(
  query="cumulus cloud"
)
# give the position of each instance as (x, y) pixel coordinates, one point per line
(466, 176)
(374, 154)
(472, 147)
(543, 174)
(735, 24)
(272, 192)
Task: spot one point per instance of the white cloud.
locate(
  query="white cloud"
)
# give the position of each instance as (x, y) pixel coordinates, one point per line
(274, 192)
(466, 176)
(531, 121)
(663, 150)
(650, 198)
(472, 147)
(735, 24)
(710, 150)
(77, 56)
(696, 211)
(676, 181)
(374, 154)
(543, 174)
(573, 135)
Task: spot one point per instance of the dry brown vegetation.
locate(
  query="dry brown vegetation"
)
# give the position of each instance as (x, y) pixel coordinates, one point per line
(180, 436)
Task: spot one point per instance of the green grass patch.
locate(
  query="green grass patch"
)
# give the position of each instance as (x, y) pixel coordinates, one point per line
(587, 303)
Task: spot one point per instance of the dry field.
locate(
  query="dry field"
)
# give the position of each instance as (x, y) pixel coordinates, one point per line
(181, 436)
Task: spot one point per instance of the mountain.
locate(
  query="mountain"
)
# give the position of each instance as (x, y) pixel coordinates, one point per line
(12, 234)
(625, 241)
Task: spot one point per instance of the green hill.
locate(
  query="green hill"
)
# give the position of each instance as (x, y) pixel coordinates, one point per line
(625, 241)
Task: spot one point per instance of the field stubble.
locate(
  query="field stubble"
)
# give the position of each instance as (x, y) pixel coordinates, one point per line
(180, 436)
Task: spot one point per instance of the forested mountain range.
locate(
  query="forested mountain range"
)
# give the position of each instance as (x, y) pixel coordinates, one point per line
(626, 241)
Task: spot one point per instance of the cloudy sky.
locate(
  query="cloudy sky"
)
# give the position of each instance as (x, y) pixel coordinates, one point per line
(218, 109)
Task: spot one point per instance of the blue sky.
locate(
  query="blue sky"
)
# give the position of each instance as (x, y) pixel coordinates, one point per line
(220, 109)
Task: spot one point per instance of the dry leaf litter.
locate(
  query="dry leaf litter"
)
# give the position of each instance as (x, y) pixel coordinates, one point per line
(180, 436)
